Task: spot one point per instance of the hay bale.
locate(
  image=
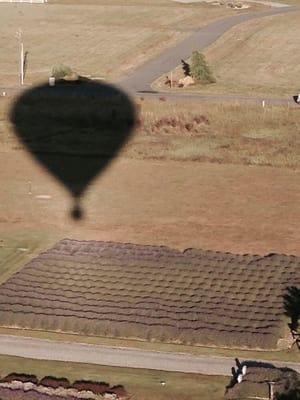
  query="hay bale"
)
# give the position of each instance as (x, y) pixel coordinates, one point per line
(186, 81)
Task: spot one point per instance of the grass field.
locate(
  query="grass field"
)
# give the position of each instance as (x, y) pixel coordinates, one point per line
(222, 200)
(101, 38)
(231, 133)
(268, 46)
(234, 133)
(204, 162)
(142, 384)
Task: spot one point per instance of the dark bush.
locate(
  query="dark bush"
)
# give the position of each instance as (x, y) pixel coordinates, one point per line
(21, 378)
(119, 390)
(53, 382)
(95, 387)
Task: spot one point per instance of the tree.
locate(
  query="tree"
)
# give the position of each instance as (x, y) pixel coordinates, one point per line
(200, 70)
(60, 71)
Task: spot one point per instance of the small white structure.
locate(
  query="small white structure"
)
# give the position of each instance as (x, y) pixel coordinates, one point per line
(51, 81)
(240, 378)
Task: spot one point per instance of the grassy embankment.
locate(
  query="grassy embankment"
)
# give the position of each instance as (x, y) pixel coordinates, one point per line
(259, 57)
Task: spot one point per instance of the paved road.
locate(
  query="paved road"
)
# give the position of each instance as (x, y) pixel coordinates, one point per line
(139, 81)
(119, 357)
(189, 96)
(141, 78)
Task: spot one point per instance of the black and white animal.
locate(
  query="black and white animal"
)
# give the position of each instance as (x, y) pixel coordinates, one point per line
(297, 98)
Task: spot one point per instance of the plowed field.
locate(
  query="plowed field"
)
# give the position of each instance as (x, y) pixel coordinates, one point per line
(153, 292)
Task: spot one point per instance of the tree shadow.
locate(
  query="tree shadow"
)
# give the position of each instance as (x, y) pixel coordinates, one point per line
(291, 302)
(293, 394)
(74, 129)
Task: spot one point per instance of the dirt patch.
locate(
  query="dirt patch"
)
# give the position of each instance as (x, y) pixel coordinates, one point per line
(223, 207)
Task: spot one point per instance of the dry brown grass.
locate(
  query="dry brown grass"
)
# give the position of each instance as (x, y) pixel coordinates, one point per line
(230, 133)
(220, 133)
(103, 39)
(147, 197)
(260, 57)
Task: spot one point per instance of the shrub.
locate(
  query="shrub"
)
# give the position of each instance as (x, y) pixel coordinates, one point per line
(95, 387)
(53, 382)
(119, 391)
(60, 71)
(21, 378)
(200, 70)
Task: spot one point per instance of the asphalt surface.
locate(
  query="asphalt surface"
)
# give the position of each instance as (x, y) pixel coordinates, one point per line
(140, 79)
(120, 357)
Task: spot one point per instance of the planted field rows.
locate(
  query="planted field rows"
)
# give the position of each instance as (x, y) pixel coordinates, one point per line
(152, 292)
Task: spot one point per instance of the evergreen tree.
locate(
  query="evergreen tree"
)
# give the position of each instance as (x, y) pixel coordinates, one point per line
(200, 70)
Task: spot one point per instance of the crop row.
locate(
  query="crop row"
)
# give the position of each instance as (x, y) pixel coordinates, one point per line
(150, 291)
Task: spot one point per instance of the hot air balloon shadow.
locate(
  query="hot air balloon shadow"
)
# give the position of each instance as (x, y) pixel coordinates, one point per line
(74, 130)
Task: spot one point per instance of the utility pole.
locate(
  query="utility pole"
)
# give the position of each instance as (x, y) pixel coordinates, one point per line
(21, 49)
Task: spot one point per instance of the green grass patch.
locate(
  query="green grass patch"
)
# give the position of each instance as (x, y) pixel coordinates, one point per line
(18, 248)
(141, 384)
